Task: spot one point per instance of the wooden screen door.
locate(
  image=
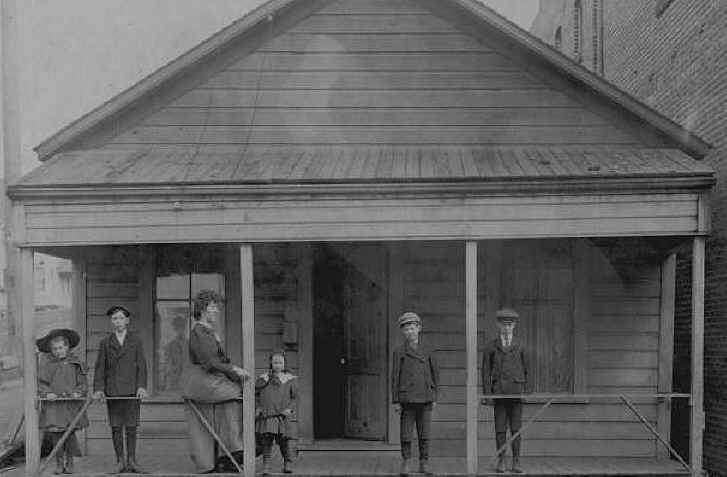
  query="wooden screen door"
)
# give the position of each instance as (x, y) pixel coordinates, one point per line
(365, 331)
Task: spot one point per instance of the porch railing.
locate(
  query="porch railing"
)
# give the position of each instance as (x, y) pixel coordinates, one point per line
(87, 401)
(551, 398)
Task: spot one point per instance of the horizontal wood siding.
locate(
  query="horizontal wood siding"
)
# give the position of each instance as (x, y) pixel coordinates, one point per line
(183, 219)
(373, 72)
(114, 277)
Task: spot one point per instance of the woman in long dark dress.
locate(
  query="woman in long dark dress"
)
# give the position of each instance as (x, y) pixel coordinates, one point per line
(214, 383)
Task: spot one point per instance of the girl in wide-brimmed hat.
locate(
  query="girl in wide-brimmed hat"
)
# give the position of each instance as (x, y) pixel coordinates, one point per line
(61, 374)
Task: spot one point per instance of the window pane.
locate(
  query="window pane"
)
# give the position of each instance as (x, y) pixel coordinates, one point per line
(208, 281)
(173, 319)
(173, 287)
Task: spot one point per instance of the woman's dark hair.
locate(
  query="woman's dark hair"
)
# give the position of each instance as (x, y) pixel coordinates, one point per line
(202, 300)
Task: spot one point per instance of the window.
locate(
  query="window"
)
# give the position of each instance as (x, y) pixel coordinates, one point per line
(577, 30)
(181, 274)
(661, 6)
(559, 38)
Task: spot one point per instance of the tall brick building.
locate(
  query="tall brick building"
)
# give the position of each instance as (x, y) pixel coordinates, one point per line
(672, 55)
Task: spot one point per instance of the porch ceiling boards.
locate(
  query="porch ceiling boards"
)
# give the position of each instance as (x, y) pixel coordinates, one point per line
(357, 164)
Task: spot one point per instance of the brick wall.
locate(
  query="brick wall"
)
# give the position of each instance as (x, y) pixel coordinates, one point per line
(670, 54)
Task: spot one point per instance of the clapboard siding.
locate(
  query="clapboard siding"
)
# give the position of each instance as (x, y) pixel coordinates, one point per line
(114, 276)
(231, 219)
(372, 72)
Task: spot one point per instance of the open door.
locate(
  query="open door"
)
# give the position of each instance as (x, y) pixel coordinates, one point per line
(365, 333)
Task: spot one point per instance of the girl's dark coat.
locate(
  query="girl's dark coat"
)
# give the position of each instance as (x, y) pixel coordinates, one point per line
(62, 377)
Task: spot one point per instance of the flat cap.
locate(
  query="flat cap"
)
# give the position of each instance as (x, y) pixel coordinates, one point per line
(409, 317)
(506, 314)
(116, 308)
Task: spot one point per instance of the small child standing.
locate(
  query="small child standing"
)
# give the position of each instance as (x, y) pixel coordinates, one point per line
(276, 393)
(61, 375)
(121, 372)
(415, 379)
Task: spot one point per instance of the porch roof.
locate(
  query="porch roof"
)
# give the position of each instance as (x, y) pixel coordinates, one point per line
(359, 164)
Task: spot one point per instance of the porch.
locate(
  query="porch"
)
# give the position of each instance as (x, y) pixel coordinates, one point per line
(367, 463)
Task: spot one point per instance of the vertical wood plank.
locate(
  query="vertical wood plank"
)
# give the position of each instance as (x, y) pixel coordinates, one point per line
(471, 333)
(233, 320)
(697, 400)
(304, 305)
(493, 261)
(78, 312)
(247, 293)
(704, 217)
(144, 323)
(581, 314)
(666, 348)
(396, 307)
(30, 371)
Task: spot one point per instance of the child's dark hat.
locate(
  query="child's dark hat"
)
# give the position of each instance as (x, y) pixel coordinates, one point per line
(116, 308)
(507, 314)
(43, 343)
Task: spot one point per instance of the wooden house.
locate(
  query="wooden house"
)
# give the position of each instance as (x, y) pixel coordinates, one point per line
(329, 164)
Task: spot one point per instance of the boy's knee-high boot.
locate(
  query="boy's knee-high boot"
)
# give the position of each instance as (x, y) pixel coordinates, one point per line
(117, 437)
(500, 439)
(405, 457)
(131, 464)
(516, 456)
(424, 457)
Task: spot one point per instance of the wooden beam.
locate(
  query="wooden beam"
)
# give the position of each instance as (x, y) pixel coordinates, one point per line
(304, 305)
(666, 348)
(397, 263)
(30, 370)
(78, 312)
(247, 293)
(581, 314)
(473, 402)
(697, 401)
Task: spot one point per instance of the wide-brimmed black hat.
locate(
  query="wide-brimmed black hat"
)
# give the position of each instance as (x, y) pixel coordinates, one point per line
(43, 343)
(116, 308)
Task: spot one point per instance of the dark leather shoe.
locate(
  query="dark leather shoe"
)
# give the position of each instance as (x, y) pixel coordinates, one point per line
(133, 468)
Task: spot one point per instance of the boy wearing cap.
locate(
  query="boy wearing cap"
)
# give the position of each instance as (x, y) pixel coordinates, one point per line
(121, 372)
(505, 371)
(415, 376)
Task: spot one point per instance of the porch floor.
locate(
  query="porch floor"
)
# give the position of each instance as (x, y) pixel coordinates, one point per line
(364, 463)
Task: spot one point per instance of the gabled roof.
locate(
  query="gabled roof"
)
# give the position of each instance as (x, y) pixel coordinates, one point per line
(485, 16)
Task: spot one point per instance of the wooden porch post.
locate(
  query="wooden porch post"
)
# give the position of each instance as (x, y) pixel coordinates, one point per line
(471, 333)
(697, 400)
(247, 296)
(666, 348)
(30, 372)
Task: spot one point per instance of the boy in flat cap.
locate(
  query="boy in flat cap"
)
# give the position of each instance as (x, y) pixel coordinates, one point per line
(121, 372)
(61, 375)
(415, 376)
(505, 371)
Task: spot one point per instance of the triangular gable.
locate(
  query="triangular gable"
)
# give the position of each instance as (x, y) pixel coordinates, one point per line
(264, 76)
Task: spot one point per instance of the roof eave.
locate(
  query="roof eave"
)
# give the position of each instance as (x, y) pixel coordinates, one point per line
(513, 186)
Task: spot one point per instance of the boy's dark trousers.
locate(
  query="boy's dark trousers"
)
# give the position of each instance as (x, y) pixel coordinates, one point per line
(419, 414)
(124, 418)
(508, 413)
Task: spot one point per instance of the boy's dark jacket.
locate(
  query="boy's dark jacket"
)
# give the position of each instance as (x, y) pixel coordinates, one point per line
(504, 371)
(415, 375)
(120, 370)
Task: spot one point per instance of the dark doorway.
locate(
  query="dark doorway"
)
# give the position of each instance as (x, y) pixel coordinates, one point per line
(328, 344)
(350, 358)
